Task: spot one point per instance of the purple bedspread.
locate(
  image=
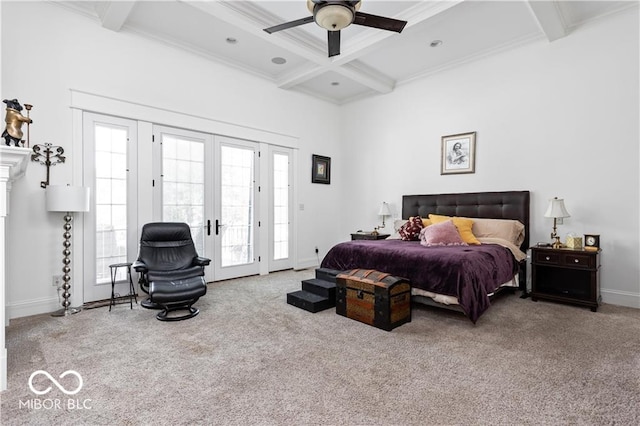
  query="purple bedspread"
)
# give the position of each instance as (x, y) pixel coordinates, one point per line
(469, 273)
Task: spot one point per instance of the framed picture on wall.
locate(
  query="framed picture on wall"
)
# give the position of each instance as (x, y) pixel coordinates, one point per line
(320, 169)
(458, 154)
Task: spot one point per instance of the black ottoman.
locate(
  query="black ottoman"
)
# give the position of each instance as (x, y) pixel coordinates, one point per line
(177, 295)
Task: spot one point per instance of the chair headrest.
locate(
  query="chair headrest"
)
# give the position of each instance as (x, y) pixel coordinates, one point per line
(173, 232)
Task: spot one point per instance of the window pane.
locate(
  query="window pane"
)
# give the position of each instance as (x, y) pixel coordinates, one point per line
(237, 171)
(111, 199)
(183, 184)
(280, 206)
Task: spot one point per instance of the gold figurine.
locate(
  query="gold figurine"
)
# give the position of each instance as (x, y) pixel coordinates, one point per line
(14, 120)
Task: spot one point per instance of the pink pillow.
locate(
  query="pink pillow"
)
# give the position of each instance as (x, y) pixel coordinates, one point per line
(410, 231)
(441, 234)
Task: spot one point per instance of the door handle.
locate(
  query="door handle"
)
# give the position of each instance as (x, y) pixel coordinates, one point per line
(208, 227)
(218, 226)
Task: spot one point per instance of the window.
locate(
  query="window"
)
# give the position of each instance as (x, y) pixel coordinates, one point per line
(183, 186)
(110, 199)
(280, 206)
(109, 149)
(237, 203)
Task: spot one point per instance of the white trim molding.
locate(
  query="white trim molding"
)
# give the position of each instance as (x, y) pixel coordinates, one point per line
(13, 165)
(620, 298)
(136, 111)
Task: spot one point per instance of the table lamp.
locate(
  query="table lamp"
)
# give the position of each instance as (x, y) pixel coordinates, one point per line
(67, 199)
(556, 210)
(384, 211)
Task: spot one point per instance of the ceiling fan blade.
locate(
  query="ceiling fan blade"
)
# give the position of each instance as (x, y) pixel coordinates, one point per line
(380, 22)
(334, 43)
(288, 25)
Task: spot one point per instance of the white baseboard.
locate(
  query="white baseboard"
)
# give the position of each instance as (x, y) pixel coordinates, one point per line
(620, 298)
(51, 304)
(32, 307)
(311, 262)
(3, 369)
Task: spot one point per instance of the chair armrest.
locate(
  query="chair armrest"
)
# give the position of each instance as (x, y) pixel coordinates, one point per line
(201, 261)
(140, 266)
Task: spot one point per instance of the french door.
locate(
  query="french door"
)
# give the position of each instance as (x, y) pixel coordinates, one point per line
(110, 158)
(236, 210)
(185, 175)
(280, 209)
(211, 184)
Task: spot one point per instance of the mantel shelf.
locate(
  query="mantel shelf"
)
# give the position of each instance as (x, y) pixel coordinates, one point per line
(13, 162)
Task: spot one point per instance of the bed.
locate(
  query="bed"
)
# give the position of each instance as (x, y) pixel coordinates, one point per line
(462, 277)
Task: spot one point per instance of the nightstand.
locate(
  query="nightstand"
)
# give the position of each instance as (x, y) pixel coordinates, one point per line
(566, 275)
(368, 236)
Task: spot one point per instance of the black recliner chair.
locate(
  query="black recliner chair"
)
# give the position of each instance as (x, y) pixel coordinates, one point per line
(171, 271)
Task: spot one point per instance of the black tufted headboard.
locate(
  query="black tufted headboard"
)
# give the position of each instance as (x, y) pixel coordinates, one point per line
(490, 205)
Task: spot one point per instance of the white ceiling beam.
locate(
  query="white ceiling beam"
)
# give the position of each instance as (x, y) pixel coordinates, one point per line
(115, 13)
(357, 72)
(229, 13)
(246, 16)
(300, 75)
(549, 17)
(366, 42)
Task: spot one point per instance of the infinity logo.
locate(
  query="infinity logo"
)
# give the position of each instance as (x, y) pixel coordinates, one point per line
(55, 382)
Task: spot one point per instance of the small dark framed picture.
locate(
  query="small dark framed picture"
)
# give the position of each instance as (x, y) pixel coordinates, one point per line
(320, 169)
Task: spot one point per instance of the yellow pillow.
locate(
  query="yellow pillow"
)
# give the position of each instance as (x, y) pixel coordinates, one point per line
(464, 227)
(425, 222)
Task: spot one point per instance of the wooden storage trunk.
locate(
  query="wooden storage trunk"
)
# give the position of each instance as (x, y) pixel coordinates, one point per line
(374, 298)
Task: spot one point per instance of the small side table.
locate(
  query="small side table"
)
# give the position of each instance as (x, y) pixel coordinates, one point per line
(566, 275)
(368, 236)
(132, 291)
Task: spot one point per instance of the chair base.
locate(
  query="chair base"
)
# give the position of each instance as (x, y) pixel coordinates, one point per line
(147, 303)
(162, 316)
(177, 295)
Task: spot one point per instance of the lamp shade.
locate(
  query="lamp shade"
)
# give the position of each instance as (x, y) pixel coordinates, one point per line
(384, 210)
(334, 17)
(556, 208)
(60, 198)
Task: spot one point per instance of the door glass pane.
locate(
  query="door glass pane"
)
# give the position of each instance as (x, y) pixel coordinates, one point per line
(111, 200)
(236, 200)
(280, 206)
(183, 184)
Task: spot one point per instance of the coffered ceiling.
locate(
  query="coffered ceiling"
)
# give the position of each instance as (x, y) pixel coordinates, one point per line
(440, 34)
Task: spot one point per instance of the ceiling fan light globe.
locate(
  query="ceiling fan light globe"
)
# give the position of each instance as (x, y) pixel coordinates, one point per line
(334, 17)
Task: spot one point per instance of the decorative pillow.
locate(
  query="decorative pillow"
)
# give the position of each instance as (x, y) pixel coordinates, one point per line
(410, 231)
(441, 234)
(507, 229)
(425, 222)
(463, 224)
(397, 224)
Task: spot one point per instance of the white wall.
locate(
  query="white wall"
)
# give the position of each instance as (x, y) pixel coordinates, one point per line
(51, 51)
(557, 119)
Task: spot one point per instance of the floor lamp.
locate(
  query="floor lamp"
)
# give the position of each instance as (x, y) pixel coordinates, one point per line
(67, 199)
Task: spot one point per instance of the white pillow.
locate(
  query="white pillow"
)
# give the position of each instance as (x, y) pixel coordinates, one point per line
(397, 224)
(506, 229)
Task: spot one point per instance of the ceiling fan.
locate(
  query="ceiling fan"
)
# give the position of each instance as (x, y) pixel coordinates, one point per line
(334, 15)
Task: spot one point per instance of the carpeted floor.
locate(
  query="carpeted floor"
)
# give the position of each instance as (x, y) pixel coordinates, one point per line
(251, 359)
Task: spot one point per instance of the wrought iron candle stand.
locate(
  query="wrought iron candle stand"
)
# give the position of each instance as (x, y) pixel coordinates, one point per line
(44, 154)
